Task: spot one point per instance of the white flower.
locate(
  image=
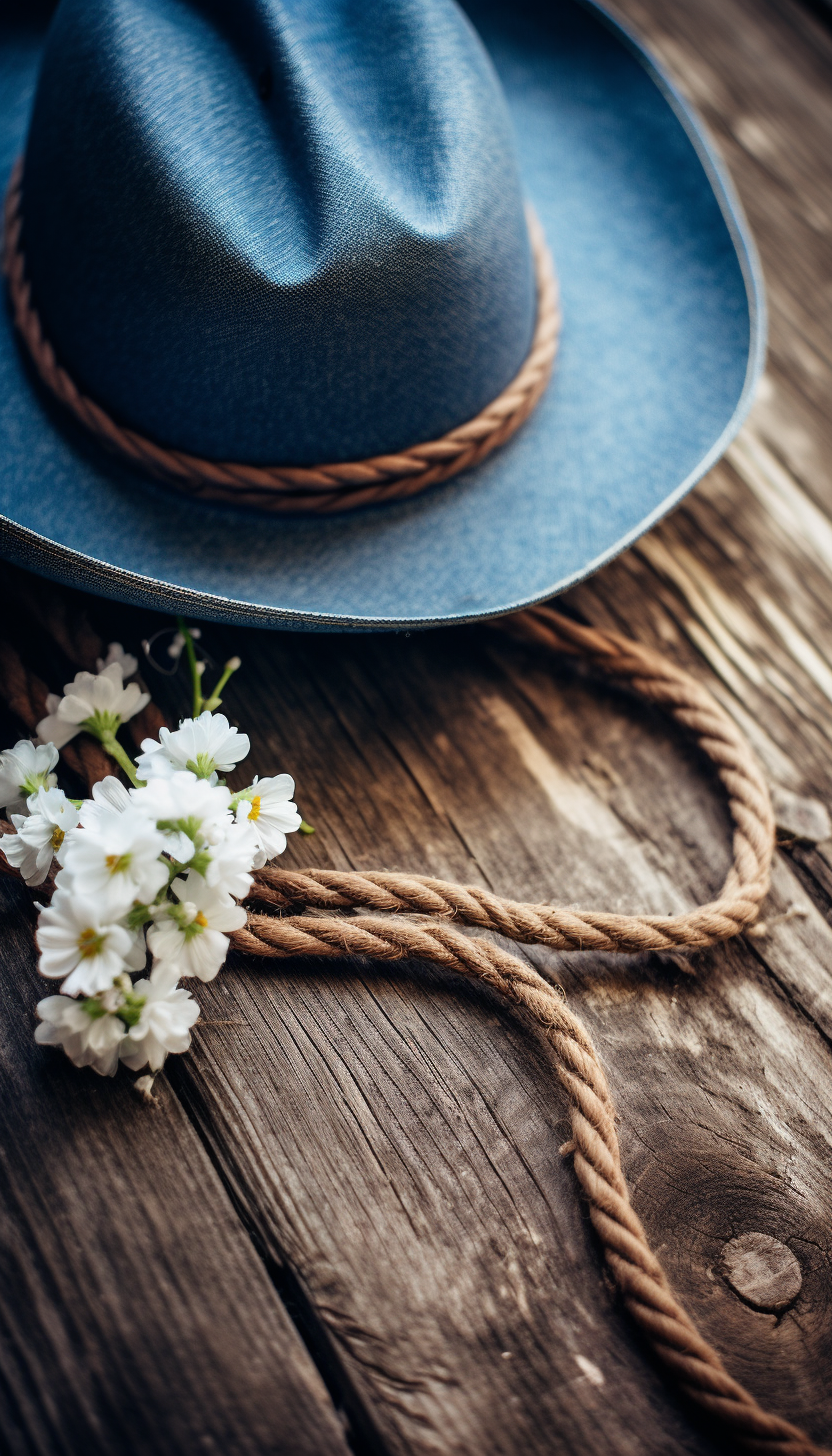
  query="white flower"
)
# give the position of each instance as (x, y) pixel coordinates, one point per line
(88, 1034)
(23, 770)
(266, 806)
(108, 796)
(164, 1023)
(97, 698)
(40, 834)
(226, 868)
(177, 645)
(203, 745)
(119, 851)
(82, 940)
(116, 653)
(191, 936)
(191, 813)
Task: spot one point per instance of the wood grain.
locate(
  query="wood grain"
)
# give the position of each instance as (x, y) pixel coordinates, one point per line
(762, 1271)
(389, 1142)
(541, 788)
(134, 1314)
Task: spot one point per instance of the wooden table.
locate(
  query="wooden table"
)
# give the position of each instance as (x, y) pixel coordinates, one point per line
(344, 1224)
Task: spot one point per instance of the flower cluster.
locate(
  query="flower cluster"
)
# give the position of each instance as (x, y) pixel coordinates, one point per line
(154, 872)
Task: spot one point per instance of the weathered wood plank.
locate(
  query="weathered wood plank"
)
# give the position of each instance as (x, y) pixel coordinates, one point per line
(134, 1314)
(390, 1098)
(696, 585)
(391, 1140)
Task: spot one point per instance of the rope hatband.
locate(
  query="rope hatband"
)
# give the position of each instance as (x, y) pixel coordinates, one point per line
(419, 916)
(320, 488)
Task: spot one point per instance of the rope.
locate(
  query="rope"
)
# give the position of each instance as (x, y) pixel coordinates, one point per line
(688, 1358)
(320, 488)
(698, 712)
(691, 1361)
(26, 696)
(60, 614)
(438, 908)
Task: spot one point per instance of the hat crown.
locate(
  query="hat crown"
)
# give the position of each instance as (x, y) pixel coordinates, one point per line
(277, 230)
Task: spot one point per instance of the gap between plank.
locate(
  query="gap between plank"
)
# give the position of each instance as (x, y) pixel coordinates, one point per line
(361, 1434)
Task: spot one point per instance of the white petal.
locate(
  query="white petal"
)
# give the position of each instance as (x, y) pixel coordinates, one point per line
(73, 709)
(55, 730)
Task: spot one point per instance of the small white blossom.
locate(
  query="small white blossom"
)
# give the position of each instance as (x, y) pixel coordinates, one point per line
(108, 796)
(191, 813)
(100, 698)
(114, 901)
(126, 661)
(40, 834)
(226, 868)
(82, 940)
(164, 1023)
(89, 1035)
(118, 851)
(203, 745)
(177, 645)
(267, 807)
(23, 770)
(192, 936)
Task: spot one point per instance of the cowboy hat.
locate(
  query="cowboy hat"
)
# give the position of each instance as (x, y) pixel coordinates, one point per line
(285, 312)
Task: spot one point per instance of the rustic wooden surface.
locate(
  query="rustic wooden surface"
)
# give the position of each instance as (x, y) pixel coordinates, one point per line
(345, 1224)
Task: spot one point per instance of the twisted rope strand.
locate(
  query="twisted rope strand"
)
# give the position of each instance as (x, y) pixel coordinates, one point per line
(414, 915)
(688, 1357)
(384, 935)
(26, 696)
(69, 627)
(696, 710)
(320, 488)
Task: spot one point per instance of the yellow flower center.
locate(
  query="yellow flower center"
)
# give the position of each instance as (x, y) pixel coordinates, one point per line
(117, 863)
(254, 815)
(57, 837)
(199, 919)
(90, 943)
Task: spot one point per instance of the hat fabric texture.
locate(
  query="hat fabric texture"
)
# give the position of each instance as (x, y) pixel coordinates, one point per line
(294, 233)
(277, 233)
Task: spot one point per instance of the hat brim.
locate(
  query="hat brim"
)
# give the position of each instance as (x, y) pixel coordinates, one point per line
(663, 342)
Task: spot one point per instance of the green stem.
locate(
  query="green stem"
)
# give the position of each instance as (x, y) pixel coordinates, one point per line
(175, 869)
(111, 745)
(214, 701)
(198, 703)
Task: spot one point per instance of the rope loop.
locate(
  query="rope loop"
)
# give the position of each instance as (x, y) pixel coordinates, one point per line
(698, 712)
(402, 915)
(311, 913)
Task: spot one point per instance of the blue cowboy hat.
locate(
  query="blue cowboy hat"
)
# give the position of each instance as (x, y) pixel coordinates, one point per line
(247, 237)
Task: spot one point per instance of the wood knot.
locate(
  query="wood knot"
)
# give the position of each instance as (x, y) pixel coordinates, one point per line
(762, 1271)
(805, 820)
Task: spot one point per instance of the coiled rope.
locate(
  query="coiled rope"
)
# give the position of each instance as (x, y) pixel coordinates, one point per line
(385, 935)
(419, 916)
(321, 488)
(653, 677)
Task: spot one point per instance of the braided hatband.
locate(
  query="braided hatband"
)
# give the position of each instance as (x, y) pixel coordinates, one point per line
(320, 488)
